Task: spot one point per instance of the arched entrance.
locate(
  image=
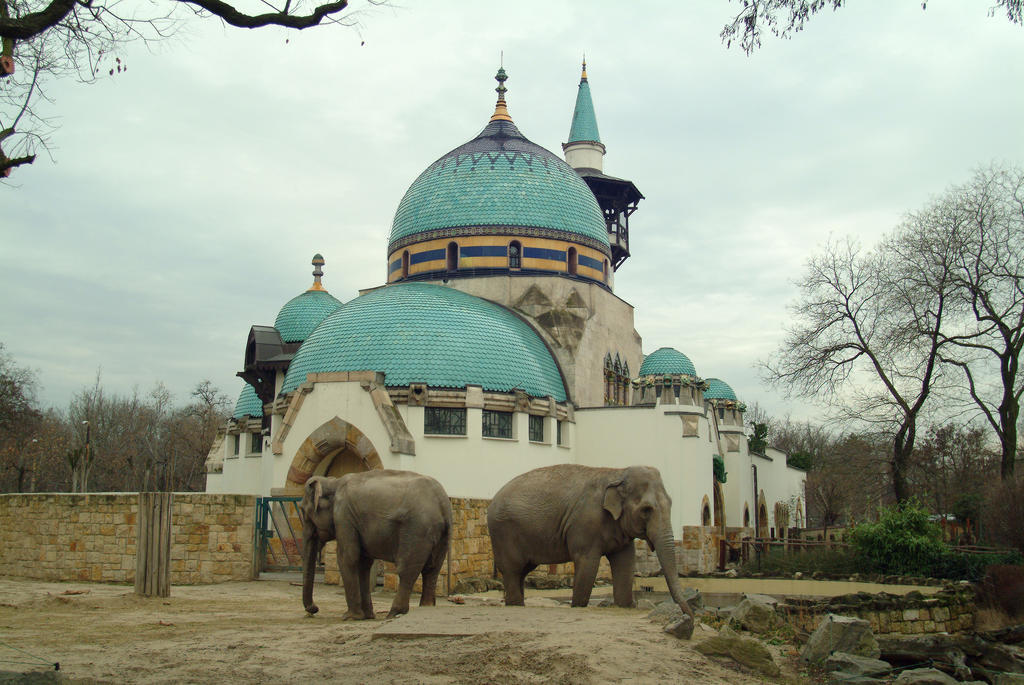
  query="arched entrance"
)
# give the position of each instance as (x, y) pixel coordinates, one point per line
(719, 505)
(762, 516)
(334, 449)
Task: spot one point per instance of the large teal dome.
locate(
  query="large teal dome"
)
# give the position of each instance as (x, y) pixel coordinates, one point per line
(667, 360)
(719, 390)
(301, 314)
(248, 404)
(499, 183)
(422, 333)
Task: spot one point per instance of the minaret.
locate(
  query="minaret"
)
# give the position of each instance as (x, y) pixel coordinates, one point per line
(584, 149)
(318, 272)
(584, 152)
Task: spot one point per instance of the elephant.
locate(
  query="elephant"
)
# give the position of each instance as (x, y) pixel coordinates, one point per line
(398, 516)
(569, 512)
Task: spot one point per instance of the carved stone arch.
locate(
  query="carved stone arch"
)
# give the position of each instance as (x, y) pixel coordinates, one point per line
(705, 512)
(762, 515)
(719, 504)
(334, 448)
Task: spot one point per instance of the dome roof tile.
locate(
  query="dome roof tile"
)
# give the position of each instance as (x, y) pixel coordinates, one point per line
(303, 313)
(667, 360)
(424, 333)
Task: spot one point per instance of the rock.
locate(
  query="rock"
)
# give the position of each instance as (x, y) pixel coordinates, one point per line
(545, 582)
(856, 665)
(840, 634)
(605, 602)
(926, 676)
(755, 616)
(798, 575)
(744, 650)
(848, 678)
(669, 611)
(468, 586)
(763, 599)
(681, 628)
(693, 598)
(644, 604)
(542, 602)
(731, 573)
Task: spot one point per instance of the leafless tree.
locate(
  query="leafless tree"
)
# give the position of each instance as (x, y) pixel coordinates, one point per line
(783, 18)
(866, 338)
(984, 219)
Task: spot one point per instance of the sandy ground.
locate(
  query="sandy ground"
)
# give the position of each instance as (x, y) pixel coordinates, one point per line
(257, 632)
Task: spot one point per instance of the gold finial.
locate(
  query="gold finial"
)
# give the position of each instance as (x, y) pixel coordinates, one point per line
(500, 109)
(584, 76)
(318, 272)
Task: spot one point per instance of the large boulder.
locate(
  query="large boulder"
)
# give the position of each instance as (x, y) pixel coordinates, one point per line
(926, 676)
(681, 628)
(856, 665)
(743, 650)
(840, 634)
(669, 611)
(755, 614)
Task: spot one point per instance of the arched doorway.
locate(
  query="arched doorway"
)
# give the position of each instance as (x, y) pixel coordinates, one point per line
(762, 516)
(335, 448)
(705, 512)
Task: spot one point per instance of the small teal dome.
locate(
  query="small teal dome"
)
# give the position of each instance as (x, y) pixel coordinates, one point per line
(301, 314)
(500, 183)
(423, 333)
(248, 404)
(667, 360)
(719, 390)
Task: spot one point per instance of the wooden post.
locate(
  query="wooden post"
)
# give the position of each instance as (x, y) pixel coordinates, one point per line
(153, 545)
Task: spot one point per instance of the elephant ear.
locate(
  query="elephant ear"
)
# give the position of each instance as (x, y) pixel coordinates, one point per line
(613, 500)
(318, 492)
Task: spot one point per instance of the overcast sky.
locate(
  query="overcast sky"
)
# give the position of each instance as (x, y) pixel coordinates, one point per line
(189, 193)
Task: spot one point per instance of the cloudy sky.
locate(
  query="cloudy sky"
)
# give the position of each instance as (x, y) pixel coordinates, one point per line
(188, 194)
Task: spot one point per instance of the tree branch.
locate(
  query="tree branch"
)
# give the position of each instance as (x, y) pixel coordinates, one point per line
(34, 23)
(246, 21)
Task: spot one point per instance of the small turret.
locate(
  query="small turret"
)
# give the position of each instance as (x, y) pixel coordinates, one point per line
(584, 152)
(584, 149)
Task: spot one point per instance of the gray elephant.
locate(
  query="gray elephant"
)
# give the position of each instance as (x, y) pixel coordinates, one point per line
(397, 516)
(575, 513)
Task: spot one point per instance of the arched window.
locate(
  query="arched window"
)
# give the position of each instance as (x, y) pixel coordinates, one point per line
(453, 256)
(572, 261)
(405, 264)
(604, 271)
(705, 513)
(515, 255)
(746, 515)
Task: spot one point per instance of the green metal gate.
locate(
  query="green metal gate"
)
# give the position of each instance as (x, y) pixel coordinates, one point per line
(278, 534)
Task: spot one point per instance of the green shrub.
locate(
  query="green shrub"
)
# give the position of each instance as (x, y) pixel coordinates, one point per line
(960, 566)
(837, 561)
(903, 541)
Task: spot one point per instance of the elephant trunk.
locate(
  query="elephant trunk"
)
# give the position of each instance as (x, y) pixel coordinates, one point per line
(666, 551)
(310, 553)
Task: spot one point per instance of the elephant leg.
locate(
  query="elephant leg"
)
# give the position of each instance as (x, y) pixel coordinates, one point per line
(366, 604)
(583, 578)
(430, 574)
(348, 564)
(623, 563)
(407, 574)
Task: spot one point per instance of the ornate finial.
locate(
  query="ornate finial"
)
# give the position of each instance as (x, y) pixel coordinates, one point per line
(500, 109)
(318, 272)
(584, 76)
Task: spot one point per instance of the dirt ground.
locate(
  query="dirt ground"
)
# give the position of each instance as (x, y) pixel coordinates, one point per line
(257, 632)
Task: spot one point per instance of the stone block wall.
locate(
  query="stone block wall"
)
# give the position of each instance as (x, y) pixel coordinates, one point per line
(699, 547)
(91, 537)
(951, 610)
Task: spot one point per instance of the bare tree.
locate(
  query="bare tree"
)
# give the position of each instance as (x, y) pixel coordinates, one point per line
(866, 338)
(783, 18)
(985, 219)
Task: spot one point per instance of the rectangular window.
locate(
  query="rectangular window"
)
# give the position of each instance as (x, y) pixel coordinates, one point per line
(236, 442)
(536, 428)
(558, 433)
(497, 424)
(257, 443)
(444, 421)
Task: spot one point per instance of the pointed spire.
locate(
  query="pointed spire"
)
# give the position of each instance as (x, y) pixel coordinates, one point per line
(500, 109)
(584, 122)
(318, 272)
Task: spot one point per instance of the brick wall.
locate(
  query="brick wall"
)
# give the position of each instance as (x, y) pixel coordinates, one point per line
(59, 537)
(951, 610)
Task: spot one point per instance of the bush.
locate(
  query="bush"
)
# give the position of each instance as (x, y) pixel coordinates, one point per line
(903, 541)
(838, 561)
(973, 567)
(1003, 588)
